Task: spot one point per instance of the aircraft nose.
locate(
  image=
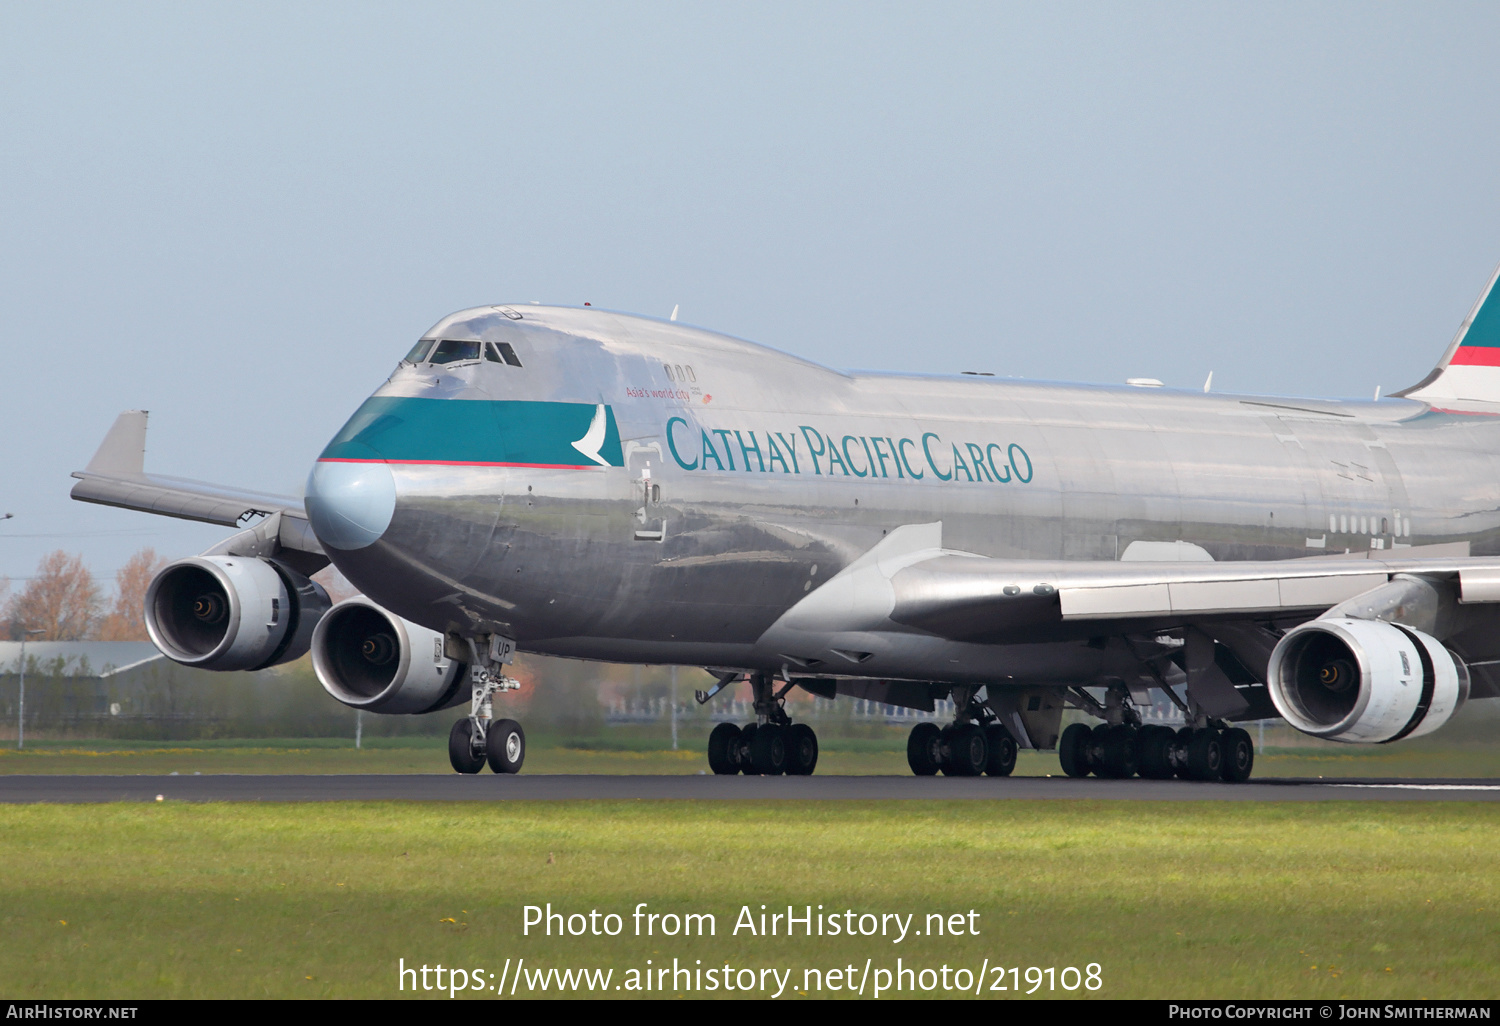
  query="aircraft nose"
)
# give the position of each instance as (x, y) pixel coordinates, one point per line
(350, 501)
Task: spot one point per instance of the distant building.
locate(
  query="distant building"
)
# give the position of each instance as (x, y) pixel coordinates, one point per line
(79, 658)
(75, 687)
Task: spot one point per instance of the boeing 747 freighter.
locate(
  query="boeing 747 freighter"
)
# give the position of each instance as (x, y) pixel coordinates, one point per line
(597, 485)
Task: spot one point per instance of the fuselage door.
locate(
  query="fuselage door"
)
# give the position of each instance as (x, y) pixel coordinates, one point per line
(647, 524)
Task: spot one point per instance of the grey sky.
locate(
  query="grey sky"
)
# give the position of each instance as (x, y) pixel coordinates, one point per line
(239, 216)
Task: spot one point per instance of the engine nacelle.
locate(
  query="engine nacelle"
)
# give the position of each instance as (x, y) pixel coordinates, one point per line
(1365, 680)
(232, 612)
(371, 659)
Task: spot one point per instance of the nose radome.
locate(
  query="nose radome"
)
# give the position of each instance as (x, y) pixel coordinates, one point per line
(350, 502)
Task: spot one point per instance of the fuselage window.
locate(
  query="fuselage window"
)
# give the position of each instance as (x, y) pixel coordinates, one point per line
(418, 351)
(452, 350)
(507, 351)
(680, 375)
(691, 376)
(668, 368)
(490, 354)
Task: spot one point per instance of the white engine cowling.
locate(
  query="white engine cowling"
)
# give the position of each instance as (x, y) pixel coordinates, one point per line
(232, 612)
(374, 660)
(1364, 681)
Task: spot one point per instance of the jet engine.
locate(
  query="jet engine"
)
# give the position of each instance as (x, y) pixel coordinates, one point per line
(1365, 681)
(371, 659)
(232, 612)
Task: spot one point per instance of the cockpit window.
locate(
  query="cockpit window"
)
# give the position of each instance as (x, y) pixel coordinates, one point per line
(451, 350)
(418, 351)
(490, 354)
(508, 351)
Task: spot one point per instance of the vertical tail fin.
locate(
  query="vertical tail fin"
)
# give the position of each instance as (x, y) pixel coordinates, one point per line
(1469, 372)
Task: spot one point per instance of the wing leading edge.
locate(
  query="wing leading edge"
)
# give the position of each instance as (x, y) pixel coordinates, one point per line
(116, 476)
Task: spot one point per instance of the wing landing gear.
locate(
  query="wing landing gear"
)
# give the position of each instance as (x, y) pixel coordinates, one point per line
(771, 746)
(975, 743)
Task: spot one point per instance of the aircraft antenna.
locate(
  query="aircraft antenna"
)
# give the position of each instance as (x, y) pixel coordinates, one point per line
(1209, 382)
(1377, 393)
(674, 311)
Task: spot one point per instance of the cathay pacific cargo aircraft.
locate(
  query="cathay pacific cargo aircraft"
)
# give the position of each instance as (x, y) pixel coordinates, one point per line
(598, 485)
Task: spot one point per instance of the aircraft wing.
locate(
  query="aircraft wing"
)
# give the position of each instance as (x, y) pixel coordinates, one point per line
(909, 580)
(116, 476)
(909, 585)
(958, 596)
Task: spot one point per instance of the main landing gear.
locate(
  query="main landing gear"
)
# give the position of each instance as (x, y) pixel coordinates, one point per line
(771, 746)
(976, 742)
(1119, 751)
(479, 738)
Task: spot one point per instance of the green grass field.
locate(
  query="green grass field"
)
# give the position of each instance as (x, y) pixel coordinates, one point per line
(1366, 900)
(615, 755)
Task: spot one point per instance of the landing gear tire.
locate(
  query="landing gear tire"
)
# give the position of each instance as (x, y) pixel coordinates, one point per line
(505, 746)
(923, 749)
(1002, 751)
(1153, 752)
(768, 750)
(1117, 757)
(1239, 755)
(461, 748)
(968, 752)
(801, 750)
(1095, 749)
(1072, 750)
(1205, 755)
(1180, 743)
(747, 738)
(723, 749)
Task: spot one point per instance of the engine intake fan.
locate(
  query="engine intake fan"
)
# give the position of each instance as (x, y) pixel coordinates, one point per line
(1365, 681)
(232, 612)
(372, 659)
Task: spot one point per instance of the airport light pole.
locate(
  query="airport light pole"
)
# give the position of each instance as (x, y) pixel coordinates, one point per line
(21, 715)
(674, 708)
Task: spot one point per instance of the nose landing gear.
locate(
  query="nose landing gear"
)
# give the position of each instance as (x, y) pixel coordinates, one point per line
(479, 738)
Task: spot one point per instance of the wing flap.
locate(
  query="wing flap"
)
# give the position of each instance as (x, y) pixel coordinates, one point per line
(1479, 584)
(1254, 595)
(1111, 603)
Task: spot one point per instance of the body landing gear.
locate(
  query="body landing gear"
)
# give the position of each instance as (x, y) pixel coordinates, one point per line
(479, 738)
(771, 746)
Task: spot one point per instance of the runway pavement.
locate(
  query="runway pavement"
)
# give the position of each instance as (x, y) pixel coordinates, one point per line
(523, 787)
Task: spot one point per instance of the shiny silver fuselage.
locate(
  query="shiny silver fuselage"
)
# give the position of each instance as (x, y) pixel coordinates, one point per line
(689, 563)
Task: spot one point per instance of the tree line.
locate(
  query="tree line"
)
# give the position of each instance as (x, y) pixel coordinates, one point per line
(63, 602)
